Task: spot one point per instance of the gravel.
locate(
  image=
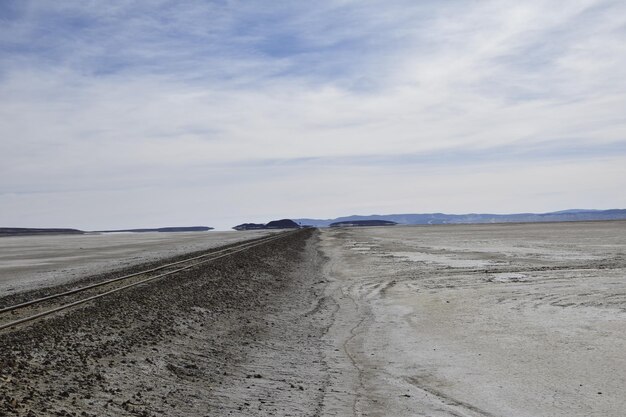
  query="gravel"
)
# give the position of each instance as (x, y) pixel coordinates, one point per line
(241, 335)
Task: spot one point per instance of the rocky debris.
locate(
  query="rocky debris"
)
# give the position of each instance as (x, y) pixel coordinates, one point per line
(35, 293)
(181, 346)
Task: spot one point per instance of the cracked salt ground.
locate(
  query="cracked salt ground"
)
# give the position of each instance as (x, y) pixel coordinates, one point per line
(481, 320)
(508, 277)
(442, 260)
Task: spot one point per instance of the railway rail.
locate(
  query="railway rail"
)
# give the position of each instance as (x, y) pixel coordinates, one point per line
(29, 311)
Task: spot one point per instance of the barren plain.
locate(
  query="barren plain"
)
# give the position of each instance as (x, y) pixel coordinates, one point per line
(46, 260)
(511, 320)
(481, 320)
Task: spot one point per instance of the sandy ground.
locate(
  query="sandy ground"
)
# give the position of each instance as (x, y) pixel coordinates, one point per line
(496, 320)
(28, 262)
(465, 321)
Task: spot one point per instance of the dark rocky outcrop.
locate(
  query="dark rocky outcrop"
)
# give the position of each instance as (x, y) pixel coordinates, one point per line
(274, 224)
(249, 226)
(282, 224)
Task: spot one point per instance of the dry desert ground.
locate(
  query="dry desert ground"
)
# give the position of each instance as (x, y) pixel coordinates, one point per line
(511, 320)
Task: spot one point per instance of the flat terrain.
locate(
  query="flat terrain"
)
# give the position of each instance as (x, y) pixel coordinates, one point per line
(479, 320)
(516, 320)
(39, 261)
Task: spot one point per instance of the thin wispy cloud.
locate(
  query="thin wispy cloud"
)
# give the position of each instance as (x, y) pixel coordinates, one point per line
(241, 110)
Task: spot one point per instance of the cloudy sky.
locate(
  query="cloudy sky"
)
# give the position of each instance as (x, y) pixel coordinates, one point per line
(156, 113)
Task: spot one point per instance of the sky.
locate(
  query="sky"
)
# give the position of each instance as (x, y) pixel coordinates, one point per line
(141, 113)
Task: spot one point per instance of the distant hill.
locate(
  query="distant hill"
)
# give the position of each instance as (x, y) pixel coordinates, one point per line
(162, 229)
(282, 224)
(274, 224)
(249, 226)
(27, 231)
(361, 223)
(441, 218)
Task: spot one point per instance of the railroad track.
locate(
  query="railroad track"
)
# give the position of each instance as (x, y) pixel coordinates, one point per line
(29, 311)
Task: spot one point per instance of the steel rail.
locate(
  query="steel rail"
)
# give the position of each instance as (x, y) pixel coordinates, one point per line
(99, 284)
(239, 248)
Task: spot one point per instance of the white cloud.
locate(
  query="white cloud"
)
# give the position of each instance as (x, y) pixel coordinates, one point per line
(196, 99)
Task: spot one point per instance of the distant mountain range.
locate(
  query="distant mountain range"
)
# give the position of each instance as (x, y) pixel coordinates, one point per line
(363, 223)
(572, 215)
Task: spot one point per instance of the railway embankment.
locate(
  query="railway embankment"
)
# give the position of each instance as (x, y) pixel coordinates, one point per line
(240, 335)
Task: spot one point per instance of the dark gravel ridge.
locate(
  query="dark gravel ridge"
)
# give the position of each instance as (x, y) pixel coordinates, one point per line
(168, 348)
(24, 296)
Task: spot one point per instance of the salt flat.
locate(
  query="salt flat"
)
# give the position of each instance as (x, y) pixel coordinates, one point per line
(477, 320)
(39, 261)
